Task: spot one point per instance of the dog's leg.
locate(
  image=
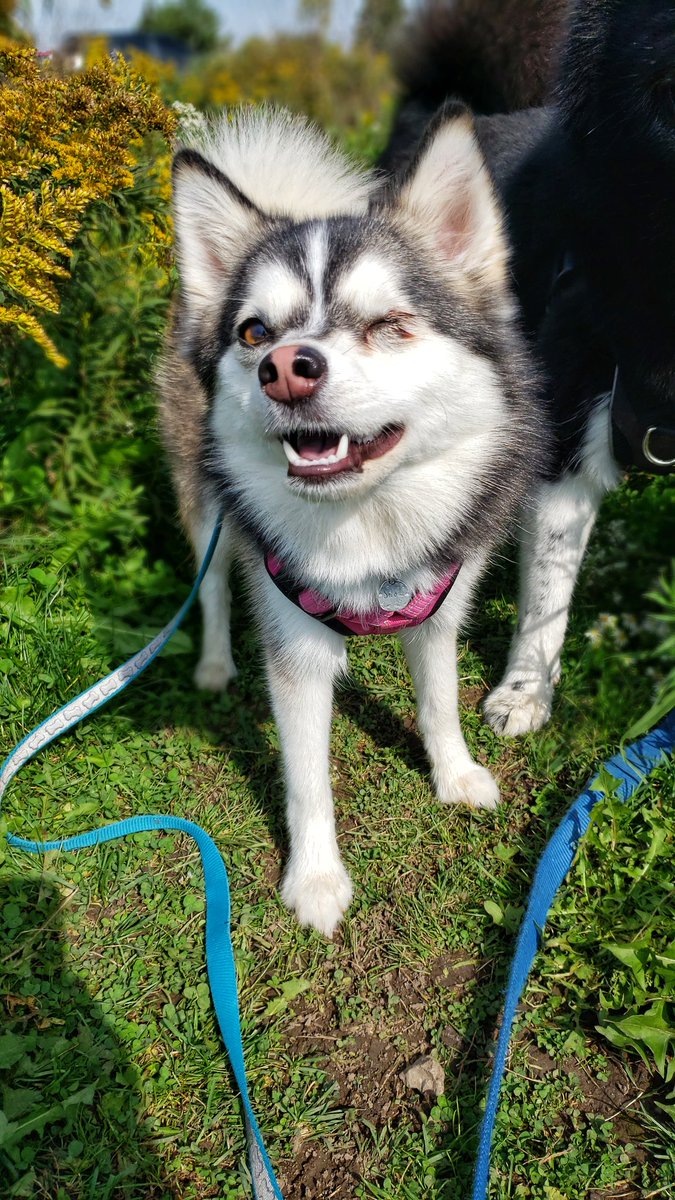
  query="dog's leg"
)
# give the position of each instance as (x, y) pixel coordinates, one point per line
(555, 533)
(431, 651)
(216, 666)
(301, 671)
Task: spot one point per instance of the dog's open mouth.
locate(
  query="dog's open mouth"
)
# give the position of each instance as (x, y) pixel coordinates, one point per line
(317, 455)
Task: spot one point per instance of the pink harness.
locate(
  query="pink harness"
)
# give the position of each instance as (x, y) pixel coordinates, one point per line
(422, 605)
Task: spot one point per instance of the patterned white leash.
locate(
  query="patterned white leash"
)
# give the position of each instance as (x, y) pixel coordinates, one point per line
(219, 955)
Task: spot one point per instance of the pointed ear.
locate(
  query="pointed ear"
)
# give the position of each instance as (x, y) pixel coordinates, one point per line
(213, 222)
(448, 194)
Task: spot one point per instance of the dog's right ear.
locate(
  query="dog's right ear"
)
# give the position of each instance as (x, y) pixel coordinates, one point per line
(448, 196)
(214, 222)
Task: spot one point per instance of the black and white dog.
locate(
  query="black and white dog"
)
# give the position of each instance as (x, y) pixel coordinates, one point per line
(589, 189)
(345, 373)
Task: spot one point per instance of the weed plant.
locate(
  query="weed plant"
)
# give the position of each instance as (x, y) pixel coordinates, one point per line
(114, 1081)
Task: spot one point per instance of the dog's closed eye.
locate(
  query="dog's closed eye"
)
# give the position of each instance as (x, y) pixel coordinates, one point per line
(396, 324)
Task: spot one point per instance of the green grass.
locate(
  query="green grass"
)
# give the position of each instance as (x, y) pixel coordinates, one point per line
(114, 1081)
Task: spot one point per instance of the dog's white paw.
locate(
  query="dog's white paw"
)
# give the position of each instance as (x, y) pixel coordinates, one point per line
(214, 674)
(514, 711)
(318, 900)
(476, 787)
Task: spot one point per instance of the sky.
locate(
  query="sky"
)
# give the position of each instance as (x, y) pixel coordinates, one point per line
(50, 20)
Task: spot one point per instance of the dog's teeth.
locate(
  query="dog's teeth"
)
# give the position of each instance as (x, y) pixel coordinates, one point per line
(341, 453)
(291, 454)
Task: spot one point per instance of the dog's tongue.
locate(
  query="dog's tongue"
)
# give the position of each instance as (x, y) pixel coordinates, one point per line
(313, 446)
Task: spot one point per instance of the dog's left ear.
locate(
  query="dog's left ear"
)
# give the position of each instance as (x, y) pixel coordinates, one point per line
(448, 195)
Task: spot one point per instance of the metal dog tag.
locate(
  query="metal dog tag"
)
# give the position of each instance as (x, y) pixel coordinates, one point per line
(394, 594)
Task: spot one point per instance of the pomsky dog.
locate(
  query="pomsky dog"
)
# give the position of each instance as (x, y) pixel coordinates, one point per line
(587, 180)
(345, 376)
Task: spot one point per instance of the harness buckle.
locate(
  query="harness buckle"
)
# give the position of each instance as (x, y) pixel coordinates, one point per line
(649, 453)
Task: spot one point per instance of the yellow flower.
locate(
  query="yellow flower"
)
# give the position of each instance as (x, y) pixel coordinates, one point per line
(64, 144)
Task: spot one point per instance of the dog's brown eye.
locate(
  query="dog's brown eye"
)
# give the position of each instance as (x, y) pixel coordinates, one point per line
(253, 332)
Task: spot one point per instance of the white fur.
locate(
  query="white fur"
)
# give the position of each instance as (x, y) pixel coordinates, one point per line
(280, 292)
(216, 667)
(556, 529)
(409, 498)
(281, 164)
(317, 249)
(344, 547)
(388, 520)
(284, 164)
(431, 651)
(372, 288)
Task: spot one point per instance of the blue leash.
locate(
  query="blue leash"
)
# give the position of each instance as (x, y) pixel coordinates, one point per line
(629, 769)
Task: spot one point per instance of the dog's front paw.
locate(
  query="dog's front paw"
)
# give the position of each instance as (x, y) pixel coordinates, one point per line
(214, 674)
(318, 900)
(512, 710)
(476, 787)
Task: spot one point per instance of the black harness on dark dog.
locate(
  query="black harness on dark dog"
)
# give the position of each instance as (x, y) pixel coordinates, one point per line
(642, 439)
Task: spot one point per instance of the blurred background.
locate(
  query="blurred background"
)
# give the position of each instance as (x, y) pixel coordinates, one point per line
(328, 59)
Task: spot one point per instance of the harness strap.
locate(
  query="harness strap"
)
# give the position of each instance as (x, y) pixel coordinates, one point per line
(422, 606)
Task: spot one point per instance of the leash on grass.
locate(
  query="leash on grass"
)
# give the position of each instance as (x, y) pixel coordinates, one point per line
(629, 769)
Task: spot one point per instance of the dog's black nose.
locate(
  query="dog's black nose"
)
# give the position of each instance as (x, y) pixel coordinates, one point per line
(290, 374)
(309, 363)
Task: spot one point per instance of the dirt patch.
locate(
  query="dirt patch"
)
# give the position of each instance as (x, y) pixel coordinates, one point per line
(608, 1093)
(608, 1097)
(472, 695)
(363, 1057)
(454, 971)
(614, 1095)
(316, 1172)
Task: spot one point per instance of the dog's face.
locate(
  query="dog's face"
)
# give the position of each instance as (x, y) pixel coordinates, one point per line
(341, 350)
(348, 359)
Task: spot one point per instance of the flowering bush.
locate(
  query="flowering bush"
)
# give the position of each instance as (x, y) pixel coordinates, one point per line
(64, 144)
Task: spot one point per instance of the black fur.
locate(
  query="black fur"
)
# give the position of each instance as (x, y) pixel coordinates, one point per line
(591, 177)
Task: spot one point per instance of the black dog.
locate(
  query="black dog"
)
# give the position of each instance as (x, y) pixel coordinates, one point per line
(588, 183)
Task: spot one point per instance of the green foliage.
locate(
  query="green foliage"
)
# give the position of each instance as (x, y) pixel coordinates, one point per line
(64, 144)
(663, 599)
(379, 21)
(192, 21)
(72, 456)
(114, 1080)
(345, 91)
(316, 13)
(621, 946)
(349, 92)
